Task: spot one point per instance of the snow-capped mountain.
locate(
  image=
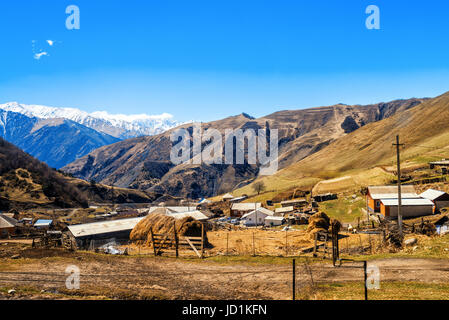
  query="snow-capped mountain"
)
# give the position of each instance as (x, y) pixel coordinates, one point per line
(57, 141)
(117, 125)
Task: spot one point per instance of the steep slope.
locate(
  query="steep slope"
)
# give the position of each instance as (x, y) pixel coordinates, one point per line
(423, 130)
(57, 142)
(27, 182)
(144, 162)
(119, 126)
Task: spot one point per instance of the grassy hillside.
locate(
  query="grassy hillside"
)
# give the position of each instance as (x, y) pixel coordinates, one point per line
(27, 182)
(364, 156)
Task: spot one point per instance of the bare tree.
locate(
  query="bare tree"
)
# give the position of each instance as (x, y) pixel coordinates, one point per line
(259, 187)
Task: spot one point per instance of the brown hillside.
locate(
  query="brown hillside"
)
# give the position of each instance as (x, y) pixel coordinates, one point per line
(144, 162)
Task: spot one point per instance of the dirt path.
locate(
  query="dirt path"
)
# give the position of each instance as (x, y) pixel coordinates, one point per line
(140, 277)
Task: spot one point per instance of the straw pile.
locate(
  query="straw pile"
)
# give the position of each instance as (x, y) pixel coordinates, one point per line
(163, 224)
(320, 222)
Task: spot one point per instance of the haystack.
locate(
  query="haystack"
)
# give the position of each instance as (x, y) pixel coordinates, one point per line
(163, 224)
(320, 222)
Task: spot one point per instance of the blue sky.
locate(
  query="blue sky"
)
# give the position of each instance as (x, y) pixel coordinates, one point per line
(206, 60)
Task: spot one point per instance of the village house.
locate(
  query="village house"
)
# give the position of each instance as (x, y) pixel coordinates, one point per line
(239, 209)
(409, 207)
(439, 198)
(7, 226)
(256, 217)
(376, 193)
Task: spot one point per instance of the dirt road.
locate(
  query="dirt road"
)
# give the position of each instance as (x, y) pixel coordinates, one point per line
(121, 277)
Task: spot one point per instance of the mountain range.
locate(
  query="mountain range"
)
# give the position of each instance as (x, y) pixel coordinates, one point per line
(58, 136)
(144, 162)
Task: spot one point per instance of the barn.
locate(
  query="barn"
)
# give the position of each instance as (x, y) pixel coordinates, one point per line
(439, 198)
(409, 208)
(376, 193)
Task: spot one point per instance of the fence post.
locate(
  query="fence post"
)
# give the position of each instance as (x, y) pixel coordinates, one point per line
(294, 279)
(152, 240)
(314, 247)
(254, 247)
(286, 244)
(202, 240)
(366, 278)
(227, 243)
(176, 239)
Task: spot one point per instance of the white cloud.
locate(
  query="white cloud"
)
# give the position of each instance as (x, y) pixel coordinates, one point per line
(50, 42)
(37, 56)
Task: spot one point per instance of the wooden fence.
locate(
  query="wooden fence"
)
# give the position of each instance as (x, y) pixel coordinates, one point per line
(172, 241)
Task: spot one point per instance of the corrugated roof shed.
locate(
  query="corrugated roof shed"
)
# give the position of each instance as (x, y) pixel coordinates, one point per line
(96, 228)
(432, 194)
(228, 196)
(407, 202)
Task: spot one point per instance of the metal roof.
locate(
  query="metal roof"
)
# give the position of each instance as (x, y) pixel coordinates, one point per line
(245, 206)
(43, 223)
(197, 215)
(274, 218)
(88, 229)
(432, 194)
(169, 210)
(284, 209)
(228, 196)
(391, 192)
(7, 222)
(407, 202)
(261, 210)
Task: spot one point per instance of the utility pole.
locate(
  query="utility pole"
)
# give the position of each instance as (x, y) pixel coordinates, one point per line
(398, 145)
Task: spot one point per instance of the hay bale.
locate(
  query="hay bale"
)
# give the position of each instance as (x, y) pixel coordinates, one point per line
(163, 224)
(319, 220)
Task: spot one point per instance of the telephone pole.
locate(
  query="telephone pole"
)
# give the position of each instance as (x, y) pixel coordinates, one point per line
(398, 145)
